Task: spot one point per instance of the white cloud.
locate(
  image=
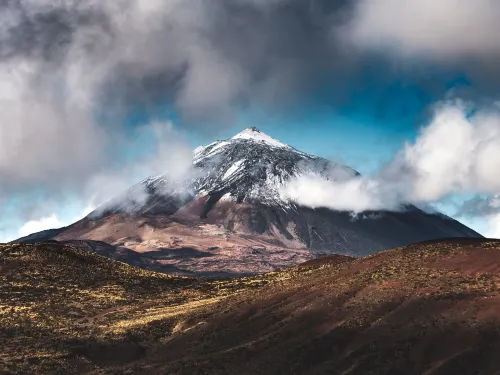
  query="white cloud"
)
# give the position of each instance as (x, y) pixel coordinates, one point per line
(494, 231)
(33, 226)
(169, 155)
(485, 208)
(458, 152)
(44, 137)
(49, 222)
(422, 28)
(357, 194)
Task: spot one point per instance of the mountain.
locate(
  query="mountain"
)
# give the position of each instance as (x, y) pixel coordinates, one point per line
(250, 168)
(41, 236)
(230, 216)
(428, 308)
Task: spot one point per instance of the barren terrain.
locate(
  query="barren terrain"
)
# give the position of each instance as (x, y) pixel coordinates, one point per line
(427, 308)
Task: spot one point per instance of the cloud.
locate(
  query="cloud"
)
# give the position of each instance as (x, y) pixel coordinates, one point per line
(426, 38)
(49, 222)
(486, 207)
(357, 194)
(190, 53)
(170, 157)
(44, 223)
(494, 224)
(480, 206)
(72, 71)
(48, 131)
(458, 152)
(167, 154)
(446, 29)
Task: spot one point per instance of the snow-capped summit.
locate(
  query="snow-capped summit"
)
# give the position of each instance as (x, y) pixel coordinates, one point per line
(252, 166)
(254, 134)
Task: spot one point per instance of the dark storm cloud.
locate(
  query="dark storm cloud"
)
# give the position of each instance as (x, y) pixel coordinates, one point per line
(46, 33)
(209, 58)
(227, 54)
(205, 56)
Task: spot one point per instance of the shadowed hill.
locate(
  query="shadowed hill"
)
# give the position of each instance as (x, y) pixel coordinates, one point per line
(426, 308)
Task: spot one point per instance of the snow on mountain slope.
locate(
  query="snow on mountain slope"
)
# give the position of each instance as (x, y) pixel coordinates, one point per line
(253, 166)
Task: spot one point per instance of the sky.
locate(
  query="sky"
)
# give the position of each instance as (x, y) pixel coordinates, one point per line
(97, 95)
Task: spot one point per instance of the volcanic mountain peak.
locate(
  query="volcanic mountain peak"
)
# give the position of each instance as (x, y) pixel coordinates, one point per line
(252, 135)
(254, 167)
(231, 214)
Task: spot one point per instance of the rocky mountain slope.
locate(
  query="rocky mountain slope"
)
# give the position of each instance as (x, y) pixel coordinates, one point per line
(230, 216)
(428, 308)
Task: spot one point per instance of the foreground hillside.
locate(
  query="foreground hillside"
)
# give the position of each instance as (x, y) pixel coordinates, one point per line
(428, 308)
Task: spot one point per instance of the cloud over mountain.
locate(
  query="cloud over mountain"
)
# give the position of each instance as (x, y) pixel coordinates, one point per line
(457, 152)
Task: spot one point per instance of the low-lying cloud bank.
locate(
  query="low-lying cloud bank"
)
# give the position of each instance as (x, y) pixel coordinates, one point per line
(457, 152)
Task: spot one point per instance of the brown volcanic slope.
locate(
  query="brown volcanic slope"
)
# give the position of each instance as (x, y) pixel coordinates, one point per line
(430, 308)
(184, 245)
